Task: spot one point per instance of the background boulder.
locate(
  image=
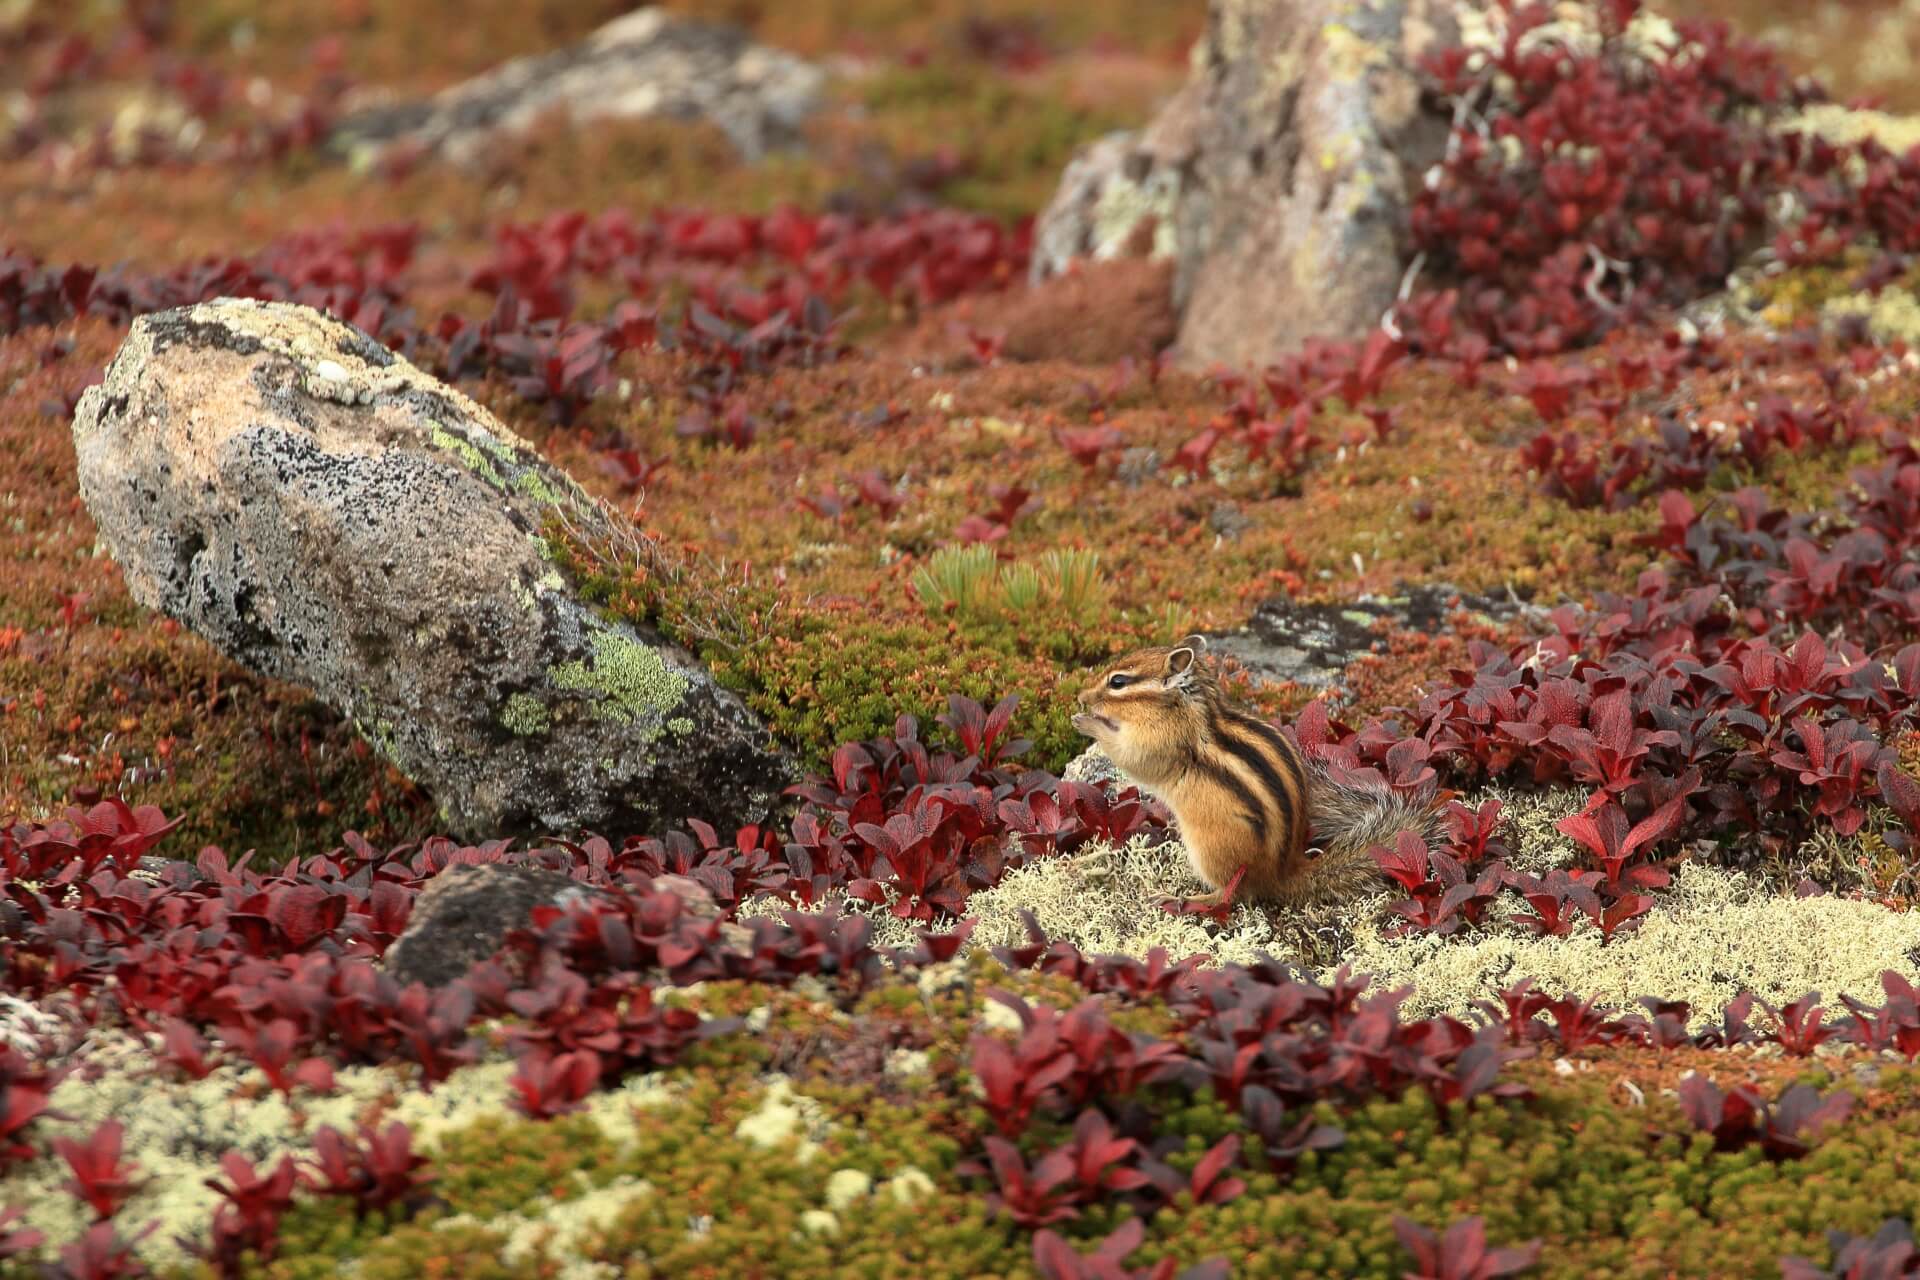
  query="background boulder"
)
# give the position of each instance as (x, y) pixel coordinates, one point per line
(645, 63)
(1280, 176)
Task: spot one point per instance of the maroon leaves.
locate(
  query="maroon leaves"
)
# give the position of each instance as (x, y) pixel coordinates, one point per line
(1785, 1128)
(1551, 251)
(1063, 1061)
(1056, 1259)
(1601, 828)
(101, 1254)
(1610, 753)
(100, 1177)
(545, 1087)
(1800, 1028)
(1032, 1197)
(1461, 1253)
(1839, 760)
(1888, 1254)
(249, 1219)
(25, 1096)
(376, 1170)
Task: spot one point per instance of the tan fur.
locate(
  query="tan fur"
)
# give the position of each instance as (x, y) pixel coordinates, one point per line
(1243, 798)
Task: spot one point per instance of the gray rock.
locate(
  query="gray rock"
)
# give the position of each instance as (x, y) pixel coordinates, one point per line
(465, 913)
(1110, 187)
(327, 514)
(645, 63)
(1093, 765)
(1314, 644)
(1289, 161)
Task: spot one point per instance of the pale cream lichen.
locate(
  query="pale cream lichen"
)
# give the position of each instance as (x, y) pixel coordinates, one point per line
(567, 1228)
(632, 681)
(785, 1116)
(1891, 314)
(909, 1185)
(1713, 935)
(176, 1133)
(845, 1186)
(1842, 125)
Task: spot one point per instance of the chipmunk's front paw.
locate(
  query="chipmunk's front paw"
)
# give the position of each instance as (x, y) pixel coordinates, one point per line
(1180, 905)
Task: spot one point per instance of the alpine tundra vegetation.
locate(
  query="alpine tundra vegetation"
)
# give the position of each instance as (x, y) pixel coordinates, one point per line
(635, 494)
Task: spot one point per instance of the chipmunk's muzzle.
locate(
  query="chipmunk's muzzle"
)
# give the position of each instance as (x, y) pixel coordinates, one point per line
(1091, 723)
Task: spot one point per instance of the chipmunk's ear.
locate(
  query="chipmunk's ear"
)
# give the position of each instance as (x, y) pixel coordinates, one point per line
(1180, 664)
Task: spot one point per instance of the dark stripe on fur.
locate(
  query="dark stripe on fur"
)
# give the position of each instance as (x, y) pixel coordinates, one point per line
(1221, 776)
(1246, 749)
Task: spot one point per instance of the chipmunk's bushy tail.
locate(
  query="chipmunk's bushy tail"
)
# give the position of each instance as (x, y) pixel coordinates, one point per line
(1349, 820)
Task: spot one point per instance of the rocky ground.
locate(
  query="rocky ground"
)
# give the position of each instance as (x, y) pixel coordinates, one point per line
(563, 769)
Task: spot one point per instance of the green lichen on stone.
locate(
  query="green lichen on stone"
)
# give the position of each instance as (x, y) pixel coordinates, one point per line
(525, 715)
(680, 725)
(476, 461)
(380, 736)
(632, 681)
(550, 581)
(500, 451)
(530, 483)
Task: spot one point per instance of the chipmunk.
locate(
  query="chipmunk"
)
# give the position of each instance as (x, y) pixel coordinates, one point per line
(1240, 790)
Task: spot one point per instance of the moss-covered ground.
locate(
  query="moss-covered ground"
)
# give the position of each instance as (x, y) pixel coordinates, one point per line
(922, 516)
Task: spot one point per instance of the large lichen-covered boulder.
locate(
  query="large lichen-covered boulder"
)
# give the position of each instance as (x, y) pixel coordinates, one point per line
(328, 514)
(647, 63)
(1280, 176)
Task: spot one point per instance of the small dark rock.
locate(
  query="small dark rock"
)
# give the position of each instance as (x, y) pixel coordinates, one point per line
(1137, 466)
(1313, 644)
(1227, 520)
(465, 913)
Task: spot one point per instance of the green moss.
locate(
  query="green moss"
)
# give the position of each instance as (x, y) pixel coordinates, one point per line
(632, 682)
(822, 678)
(502, 1163)
(525, 715)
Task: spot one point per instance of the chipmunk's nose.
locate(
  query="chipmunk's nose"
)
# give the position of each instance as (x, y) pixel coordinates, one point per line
(1086, 695)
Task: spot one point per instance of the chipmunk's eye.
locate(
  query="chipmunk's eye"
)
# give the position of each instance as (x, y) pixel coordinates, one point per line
(1118, 681)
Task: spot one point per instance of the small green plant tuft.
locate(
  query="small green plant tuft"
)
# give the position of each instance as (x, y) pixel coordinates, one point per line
(956, 579)
(1021, 585)
(1074, 580)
